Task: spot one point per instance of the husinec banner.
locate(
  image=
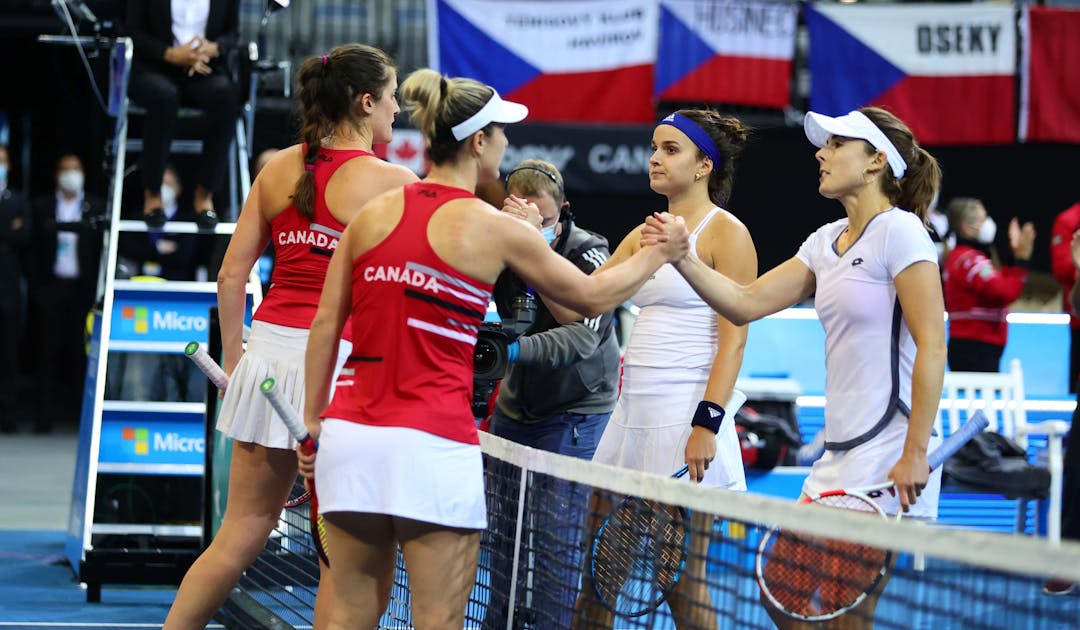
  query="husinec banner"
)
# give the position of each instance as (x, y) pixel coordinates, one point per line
(737, 52)
(948, 70)
(573, 61)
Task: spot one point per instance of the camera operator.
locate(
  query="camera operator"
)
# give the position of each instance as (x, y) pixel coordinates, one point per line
(559, 390)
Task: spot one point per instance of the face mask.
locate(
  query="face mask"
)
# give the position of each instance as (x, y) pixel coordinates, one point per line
(549, 233)
(168, 195)
(987, 232)
(71, 181)
(3, 172)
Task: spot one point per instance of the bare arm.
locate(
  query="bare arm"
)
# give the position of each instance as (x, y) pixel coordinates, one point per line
(530, 257)
(784, 285)
(919, 290)
(732, 254)
(623, 252)
(246, 245)
(335, 304)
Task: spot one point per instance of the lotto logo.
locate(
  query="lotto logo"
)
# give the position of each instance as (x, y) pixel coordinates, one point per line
(139, 437)
(139, 316)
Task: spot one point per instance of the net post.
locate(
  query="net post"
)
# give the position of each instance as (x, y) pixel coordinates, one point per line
(519, 529)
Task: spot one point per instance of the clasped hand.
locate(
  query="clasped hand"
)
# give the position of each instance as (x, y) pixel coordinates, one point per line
(193, 56)
(669, 233)
(523, 209)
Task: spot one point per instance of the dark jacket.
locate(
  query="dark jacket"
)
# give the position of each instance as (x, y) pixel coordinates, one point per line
(570, 368)
(14, 234)
(149, 24)
(40, 258)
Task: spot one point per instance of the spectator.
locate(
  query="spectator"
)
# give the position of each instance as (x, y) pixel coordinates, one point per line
(1070, 495)
(14, 232)
(62, 274)
(1061, 265)
(180, 49)
(976, 292)
(559, 393)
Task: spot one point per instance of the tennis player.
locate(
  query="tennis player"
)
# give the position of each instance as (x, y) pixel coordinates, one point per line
(878, 295)
(300, 201)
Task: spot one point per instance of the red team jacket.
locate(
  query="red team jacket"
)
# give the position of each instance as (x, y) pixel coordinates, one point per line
(1061, 262)
(977, 294)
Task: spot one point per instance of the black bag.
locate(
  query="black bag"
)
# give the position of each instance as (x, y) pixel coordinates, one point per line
(993, 463)
(766, 440)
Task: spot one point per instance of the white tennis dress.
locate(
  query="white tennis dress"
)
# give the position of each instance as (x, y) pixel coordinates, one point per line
(869, 352)
(665, 371)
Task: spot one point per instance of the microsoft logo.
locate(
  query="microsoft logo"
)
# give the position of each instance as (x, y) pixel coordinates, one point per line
(139, 316)
(139, 437)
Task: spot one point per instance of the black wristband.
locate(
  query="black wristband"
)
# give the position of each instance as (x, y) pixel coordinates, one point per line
(709, 415)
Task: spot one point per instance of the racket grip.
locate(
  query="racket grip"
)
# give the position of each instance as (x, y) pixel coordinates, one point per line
(288, 415)
(207, 365)
(976, 423)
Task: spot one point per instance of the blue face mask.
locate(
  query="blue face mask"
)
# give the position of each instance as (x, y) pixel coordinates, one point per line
(3, 172)
(549, 233)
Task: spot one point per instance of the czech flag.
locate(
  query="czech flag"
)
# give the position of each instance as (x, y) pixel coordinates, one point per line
(568, 61)
(949, 71)
(726, 52)
(1050, 95)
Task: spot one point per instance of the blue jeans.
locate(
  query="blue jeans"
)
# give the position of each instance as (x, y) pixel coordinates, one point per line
(552, 553)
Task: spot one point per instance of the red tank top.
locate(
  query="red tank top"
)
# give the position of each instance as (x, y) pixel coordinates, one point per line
(302, 250)
(415, 320)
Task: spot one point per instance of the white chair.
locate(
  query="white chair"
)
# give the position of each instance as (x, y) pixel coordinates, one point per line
(1001, 397)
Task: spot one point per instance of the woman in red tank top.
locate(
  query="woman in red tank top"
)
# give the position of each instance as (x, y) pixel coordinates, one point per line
(301, 201)
(399, 459)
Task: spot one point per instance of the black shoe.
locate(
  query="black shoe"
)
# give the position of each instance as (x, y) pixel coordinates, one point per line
(206, 219)
(155, 218)
(8, 427)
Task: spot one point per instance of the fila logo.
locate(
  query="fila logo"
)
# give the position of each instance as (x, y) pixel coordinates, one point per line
(856, 262)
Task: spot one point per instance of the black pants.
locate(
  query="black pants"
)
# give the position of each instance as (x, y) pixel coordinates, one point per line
(1070, 496)
(968, 355)
(10, 336)
(162, 95)
(1074, 360)
(59, 309)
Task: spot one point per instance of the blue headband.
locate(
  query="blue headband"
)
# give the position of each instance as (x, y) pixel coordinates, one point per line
(697, 135)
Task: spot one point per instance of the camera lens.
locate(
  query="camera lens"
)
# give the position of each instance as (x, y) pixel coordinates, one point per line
(485, 356)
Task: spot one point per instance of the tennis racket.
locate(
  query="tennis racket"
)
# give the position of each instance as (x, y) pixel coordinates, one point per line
(639, 552)
(207, 365)
(810, 578)
(300, 434)
(217, 376)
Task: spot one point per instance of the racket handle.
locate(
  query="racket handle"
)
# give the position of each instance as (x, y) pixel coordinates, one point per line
(288, 415)
(976, 423)
(207, 365)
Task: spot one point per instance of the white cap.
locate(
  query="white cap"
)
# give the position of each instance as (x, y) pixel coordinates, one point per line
(495, 110)
(819, 127)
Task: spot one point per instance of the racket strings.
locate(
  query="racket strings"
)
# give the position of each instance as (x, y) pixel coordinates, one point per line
(638, 556)
(813, 577)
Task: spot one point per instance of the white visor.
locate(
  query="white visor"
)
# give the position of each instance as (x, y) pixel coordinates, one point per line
(495, 110)
(819, 127)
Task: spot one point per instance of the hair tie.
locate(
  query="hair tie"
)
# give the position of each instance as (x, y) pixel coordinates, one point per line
(309, 168)
(324, 61)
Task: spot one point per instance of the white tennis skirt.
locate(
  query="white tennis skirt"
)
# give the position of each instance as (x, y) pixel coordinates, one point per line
(400, 472)
(272, 351)
(650, 425)
(869, 464)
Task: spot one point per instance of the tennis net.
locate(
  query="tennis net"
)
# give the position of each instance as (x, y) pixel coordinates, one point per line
(538, 558)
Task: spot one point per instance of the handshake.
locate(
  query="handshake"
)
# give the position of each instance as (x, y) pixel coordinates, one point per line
(668, 233)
